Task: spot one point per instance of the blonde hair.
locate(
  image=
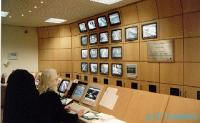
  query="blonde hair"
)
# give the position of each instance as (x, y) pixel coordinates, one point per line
(48, 80)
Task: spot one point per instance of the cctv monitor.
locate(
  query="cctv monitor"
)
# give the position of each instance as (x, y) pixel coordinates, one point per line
(117, 69)
(84, 53)
(62, 88)
(149, 31)
(93, 53)
(93, 67)
(104, 53)
(116, 35)
(131, 33)
(78, 92)
(103, 37)
(116, 52)
(84, 40)
(93, 39)
(104, 68)
(82, 27)
(102, 22)
(114, 18)
(91, 25)
(84, 67)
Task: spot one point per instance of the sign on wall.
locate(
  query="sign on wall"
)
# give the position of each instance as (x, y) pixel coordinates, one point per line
(160, 51)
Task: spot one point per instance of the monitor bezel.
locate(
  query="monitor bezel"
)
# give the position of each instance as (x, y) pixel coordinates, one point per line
(112, 69)
(90, 54)
(112, 52)
(61, 84)
(131, 39)
(151, 37)
(106, 21)
(100, 53)
(116, 41)
(76, 97)
(101, 71)
(112, 14)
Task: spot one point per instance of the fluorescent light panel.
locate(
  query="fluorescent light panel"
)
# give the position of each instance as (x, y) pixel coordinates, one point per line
(4, 14)
(55, 20)
(107, 2)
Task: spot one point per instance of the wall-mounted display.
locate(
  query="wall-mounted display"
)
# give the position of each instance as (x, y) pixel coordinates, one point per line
(91, 25)
(93, 39)
(117, 69)
(94, 53)
(84, 53)
(102, 22)
(84, 40)
(93, 67)
(104, 53)
(84, 66)
(103, 37)
(114, 18)
(82, 27)
(116, 35)
(149, 31)
(131, 33)
(104, 68)
(131, 70)
(117, 52)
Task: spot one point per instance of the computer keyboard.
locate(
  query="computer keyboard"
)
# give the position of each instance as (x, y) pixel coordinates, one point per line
(77, 107)
(66, 101)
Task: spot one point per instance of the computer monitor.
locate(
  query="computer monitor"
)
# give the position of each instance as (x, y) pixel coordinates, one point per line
(103, 37)
(78, 92)
(84, 66)
(84, 40)
(131, 33)
(116, 35)
(174, 91)
(102, 22)
(104, 52)
(84, 53)
(82, 27)
(104, 68)
(62, 88)
(71, 90)
(114, 18)
(117, 69)
(91, 25)
(93, 53)
(93, 67)
(149, 31)
(198, 95)
(117, 52)
(152, 88)
(93, 39)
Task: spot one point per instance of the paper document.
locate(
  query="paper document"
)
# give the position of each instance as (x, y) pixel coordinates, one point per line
(109, 98)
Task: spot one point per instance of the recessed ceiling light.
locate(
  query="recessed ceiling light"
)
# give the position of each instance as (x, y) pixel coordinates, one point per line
(35, 7)
(10, 16)
(22, 14)
(41, 2)
(4, 14)
(107, 2)
(30, 11)
(55, 20)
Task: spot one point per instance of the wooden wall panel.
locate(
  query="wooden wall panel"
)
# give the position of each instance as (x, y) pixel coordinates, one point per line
(76, 66)
(131, 52)
(65, 42)
(76, 42)
(143, 51)
(191, 24)
(190, 5)
(65, 31)
(76, 54)
(165, 89)
(57, 54)
(53, 32)
(74, 29)
(178, 53)
(43, 32)
(191, 92)
(171, 73)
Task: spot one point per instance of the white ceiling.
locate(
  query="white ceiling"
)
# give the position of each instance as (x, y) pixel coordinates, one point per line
(71, 10)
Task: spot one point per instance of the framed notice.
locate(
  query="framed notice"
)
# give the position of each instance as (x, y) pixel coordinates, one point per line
(160, 51)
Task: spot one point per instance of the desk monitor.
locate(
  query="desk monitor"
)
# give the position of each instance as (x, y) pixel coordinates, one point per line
(78, 92)
(71, 90)
(62, 88)
(174, 91)
(152, 88)
(92, 95)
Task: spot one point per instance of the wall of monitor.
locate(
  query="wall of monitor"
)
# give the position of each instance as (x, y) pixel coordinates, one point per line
(102, 53)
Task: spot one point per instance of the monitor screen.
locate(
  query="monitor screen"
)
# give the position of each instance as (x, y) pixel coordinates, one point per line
(131, 33)
(93, 53)
(79, 91)
(92, 94)
(104, 68)
(82, 27)
(84, 40)
(91, 24)
(103, 37)
(84, 53)
(63, 86)
(93, 67)
(149, 31)
(116, 52)
(116, 35)
(114, 18)
(104, 53)
(84, 67)
(102, 22)
(93, 39)
(117, 69)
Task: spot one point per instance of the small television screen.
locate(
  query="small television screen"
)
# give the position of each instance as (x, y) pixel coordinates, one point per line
(103, 37)
(116, 35)
(91, 24)
(62, 88)
(104, 53)
(84, 67)
(131, 33)
(79, 91)
(82, 27)
(104, 68)
(149, 31)
(84, 40)
(84, 53)
(93, 39)
(114, 18)
(93, 67)
(93, 53)
(92, 94)
(117, 69)
(117, 52)
(102, 22)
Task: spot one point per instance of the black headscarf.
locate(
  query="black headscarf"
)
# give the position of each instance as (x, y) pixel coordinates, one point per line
(21, 98)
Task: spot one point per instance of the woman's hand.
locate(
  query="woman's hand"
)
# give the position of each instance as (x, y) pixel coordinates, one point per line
(80, 113)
